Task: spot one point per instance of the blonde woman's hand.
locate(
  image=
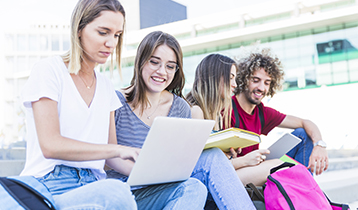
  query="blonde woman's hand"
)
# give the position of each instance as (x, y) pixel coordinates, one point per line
(128, 153)
(255, 157)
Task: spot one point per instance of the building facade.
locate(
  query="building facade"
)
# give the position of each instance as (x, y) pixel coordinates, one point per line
(317, 42)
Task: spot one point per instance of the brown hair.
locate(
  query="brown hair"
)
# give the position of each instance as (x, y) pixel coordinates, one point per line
(137, 94)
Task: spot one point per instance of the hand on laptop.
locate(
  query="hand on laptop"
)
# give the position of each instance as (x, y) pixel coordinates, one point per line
(128, 153)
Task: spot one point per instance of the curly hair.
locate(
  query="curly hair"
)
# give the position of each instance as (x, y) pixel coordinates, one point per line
(247, 66)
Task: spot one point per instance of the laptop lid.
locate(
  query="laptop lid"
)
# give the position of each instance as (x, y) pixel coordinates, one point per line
(170, 150)
(282, 146)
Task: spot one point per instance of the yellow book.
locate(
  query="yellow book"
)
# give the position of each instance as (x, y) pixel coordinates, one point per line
(232, 137)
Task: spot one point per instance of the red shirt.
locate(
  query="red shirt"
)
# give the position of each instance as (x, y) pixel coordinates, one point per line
(252, 122)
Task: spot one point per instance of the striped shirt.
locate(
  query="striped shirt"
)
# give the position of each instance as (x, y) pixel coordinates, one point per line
(131, 131)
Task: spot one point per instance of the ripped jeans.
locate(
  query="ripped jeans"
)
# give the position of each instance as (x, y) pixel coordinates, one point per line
(224, 186)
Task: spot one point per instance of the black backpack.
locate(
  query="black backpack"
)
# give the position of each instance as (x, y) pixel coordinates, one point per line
(24, 192)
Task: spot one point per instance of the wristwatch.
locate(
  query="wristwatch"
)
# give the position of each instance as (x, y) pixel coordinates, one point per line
(320, 143)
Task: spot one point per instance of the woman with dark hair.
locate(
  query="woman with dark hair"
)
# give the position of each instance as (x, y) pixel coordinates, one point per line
(156, 90)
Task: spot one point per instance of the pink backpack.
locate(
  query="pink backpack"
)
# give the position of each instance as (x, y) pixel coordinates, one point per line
(295, 188)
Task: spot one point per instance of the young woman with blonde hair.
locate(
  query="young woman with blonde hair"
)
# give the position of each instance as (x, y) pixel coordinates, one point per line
(214, 82)
(70, 115)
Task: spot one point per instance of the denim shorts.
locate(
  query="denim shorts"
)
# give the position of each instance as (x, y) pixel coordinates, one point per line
(65, 178)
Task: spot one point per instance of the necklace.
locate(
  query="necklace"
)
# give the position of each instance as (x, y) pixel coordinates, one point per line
(149, 116)
(88, 87)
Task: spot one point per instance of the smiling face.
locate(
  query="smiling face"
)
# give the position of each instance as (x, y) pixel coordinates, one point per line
(158, 80)
(100, 37)
(258, 86)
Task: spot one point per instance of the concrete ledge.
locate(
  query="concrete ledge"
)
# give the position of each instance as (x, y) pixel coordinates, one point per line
(11, 167)
(341, 186)
(13, 154)
(342, 163)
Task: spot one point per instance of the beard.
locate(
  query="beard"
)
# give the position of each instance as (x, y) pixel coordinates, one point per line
(251, 99)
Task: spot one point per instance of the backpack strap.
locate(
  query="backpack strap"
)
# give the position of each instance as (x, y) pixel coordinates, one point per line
(236, 113)
(261, 116)
(32, 185)
(283, 165)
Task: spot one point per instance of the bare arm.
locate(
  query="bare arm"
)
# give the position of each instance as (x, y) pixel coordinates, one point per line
(120, 165)
(251, 159)
(196, 112)
(319, 154)
(55, 146)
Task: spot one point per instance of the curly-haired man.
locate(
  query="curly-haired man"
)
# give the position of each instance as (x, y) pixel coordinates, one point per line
(260, 75)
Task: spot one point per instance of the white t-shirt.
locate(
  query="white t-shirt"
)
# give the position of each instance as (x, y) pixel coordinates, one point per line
(50, 79)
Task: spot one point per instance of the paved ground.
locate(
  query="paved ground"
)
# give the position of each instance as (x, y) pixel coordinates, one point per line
(341, 186)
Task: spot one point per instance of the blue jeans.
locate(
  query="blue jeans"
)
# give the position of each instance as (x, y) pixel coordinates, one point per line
(219, 176)
(189, 194)
(303, 150)
(76, 189)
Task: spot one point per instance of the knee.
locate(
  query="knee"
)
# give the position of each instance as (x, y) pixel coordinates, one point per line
(195, 188)
(215, 154)
(118, 193)
(301, 133)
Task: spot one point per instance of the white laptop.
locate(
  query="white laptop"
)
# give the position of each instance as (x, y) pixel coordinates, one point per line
(170, 151)
(282, 146)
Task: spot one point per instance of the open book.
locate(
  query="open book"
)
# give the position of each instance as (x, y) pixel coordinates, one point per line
(232, 137)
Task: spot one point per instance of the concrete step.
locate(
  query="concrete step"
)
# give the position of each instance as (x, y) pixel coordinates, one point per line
(11, 167)
(341, 186)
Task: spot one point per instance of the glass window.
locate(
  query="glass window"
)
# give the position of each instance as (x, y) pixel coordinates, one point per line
(310, 76)
(340, 72)
(22, 64)
(32, 61)
(319, 38)
(336, 35)
(65, 42)
(43, 43)
(292, 52)
(353, 70)
(324, 74)
(10, 42)
(33, 42)
(9, 65)
(55, 42)
(306, 60)
(291, 63)
(21, 42)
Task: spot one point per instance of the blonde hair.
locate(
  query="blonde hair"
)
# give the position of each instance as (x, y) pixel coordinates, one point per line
(85, 12)
(211, 88)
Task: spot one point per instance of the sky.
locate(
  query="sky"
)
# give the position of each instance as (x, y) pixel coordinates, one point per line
(21, 14)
